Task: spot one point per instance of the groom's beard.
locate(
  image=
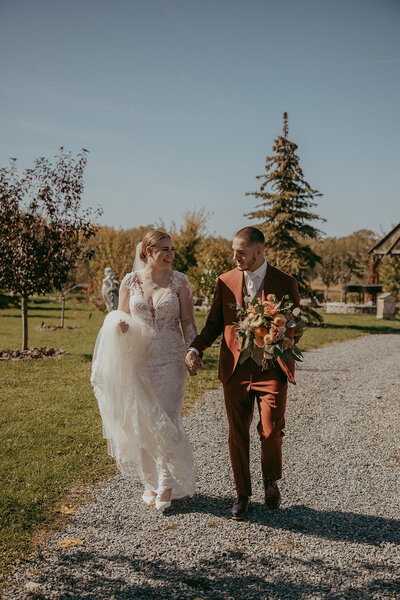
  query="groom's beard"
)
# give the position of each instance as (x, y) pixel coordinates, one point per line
(248, 265)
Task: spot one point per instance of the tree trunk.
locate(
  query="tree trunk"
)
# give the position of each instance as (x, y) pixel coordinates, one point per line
(24, 315)
(62, 308)
(326, 293)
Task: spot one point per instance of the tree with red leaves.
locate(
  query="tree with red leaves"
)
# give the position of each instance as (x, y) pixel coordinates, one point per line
(43, 229)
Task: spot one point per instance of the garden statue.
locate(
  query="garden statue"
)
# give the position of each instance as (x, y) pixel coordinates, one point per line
(110, 289)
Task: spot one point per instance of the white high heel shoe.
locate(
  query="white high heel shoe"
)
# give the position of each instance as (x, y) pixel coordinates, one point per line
(149, 500)
(162, 504)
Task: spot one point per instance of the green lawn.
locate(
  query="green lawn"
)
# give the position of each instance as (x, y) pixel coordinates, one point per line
(339, 328)
(50, 430)
(49, 427)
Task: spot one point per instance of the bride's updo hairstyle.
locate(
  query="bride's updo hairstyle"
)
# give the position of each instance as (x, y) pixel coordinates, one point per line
(150, 240)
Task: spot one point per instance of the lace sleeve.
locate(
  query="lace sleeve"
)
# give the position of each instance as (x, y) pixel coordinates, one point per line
(125, 291)
(187, 309)
(129, 280)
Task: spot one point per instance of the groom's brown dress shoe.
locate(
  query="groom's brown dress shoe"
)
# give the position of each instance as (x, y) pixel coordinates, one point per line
(241, 508)
(272, 494)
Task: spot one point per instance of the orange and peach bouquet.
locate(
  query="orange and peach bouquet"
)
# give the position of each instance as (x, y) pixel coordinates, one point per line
(273, 326)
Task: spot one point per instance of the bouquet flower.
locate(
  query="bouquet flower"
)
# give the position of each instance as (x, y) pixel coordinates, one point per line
(272, 326)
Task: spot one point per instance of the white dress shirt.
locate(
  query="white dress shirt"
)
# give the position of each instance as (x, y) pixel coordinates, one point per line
(253, 279)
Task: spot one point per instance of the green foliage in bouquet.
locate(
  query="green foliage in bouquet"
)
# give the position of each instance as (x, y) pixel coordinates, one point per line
(273, 326)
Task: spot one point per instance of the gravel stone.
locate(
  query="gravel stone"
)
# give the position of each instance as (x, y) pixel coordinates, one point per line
(336, 535)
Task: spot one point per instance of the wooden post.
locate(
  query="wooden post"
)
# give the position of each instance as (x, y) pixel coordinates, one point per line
(24, 314)
(62, 308)
(374, 264)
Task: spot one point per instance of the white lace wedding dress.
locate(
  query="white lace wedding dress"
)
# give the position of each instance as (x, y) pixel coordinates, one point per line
(139, 381)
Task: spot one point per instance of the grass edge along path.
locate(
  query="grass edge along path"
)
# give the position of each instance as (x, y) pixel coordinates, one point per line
(50, 429)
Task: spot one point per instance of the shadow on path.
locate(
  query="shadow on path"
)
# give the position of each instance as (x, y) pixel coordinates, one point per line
(332, 525)
(84, 574)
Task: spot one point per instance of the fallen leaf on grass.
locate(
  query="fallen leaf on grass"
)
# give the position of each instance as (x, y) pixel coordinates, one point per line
(70, 542)
(64, 510)
(32, 587)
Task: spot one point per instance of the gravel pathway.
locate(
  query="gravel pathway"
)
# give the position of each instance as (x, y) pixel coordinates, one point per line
(336, 536)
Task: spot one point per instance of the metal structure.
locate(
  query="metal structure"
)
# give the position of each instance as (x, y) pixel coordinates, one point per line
(361, 289)
(387, 246)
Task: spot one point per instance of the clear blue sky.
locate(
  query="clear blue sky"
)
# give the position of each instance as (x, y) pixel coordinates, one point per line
(179, 101)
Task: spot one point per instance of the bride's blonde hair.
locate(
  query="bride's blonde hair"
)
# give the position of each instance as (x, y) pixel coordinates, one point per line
(151, 239)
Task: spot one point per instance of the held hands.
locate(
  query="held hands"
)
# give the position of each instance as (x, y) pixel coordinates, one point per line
(124, 326)
(193, 362)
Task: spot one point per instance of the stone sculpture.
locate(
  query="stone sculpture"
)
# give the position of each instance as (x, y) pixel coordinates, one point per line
(110, 289)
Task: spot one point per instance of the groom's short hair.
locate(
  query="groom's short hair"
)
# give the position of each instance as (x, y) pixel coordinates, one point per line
(251, 235)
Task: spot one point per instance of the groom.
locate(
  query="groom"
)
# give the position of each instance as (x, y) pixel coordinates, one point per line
(244, 381)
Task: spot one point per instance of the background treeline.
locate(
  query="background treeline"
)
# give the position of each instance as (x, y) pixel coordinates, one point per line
(203, 256)
(200, 255)
(286, 213)
(345, 259)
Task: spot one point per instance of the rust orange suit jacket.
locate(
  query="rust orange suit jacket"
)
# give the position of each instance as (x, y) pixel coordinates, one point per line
(228, 292)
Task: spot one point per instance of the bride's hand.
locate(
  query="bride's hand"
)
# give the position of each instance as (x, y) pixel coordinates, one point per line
(193, 362)
(124, 326)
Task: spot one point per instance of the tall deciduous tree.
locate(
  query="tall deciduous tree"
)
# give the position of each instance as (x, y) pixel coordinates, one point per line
(187, 239)
(214, 256)
(285, 213)
(338, 263)
(43, 228)
(110, 248)
(344, 259)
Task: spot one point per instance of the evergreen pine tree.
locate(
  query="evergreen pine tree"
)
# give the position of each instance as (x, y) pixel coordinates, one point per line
(285, 213)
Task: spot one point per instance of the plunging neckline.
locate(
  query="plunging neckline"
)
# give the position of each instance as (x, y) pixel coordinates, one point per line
(152, 306)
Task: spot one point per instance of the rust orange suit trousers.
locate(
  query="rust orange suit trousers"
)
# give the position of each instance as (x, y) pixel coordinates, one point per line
(249, 383)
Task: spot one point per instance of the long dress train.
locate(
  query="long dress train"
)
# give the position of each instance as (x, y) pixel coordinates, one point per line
(139, 382)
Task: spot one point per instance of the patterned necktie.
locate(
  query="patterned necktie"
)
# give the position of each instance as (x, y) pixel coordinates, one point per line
(258, 353)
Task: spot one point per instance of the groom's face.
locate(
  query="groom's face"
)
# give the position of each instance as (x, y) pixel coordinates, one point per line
(248, 257)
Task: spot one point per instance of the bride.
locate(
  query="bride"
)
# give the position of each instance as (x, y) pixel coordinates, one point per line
(139, 374)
